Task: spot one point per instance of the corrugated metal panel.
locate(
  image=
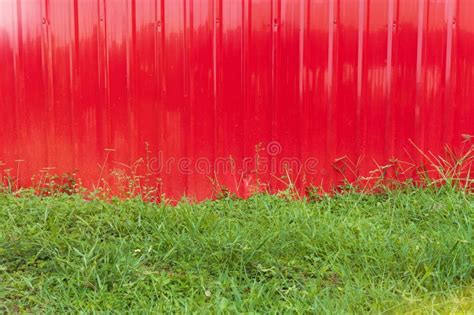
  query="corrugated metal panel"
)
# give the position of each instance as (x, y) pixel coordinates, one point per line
(314, 81)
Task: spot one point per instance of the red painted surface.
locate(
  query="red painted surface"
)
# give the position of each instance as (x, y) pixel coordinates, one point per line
(202, 80)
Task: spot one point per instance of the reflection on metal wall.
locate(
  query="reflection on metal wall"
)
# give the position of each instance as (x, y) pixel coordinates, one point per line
(186, 84)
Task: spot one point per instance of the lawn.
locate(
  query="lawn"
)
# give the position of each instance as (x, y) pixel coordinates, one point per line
(400, 251)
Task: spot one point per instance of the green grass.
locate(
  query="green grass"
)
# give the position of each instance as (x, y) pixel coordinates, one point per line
(402, 251)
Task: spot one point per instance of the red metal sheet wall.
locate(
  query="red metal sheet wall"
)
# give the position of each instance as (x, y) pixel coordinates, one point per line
(185, 84)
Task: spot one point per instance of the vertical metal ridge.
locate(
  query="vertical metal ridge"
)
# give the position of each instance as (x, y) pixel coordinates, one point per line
(331, 23)
(186, 88)
(162, 59)
(247, 80)
(388, 82)
(156, 33)
(159, 60)
(449, 39)
(18, 68)
(360, 47)
(330, 133)
(49, 84)
(131, 78)
(390, 28)
(73, 51)
(13, 45)
(301, 48)
(360, 57)
(108, 117)
(243, 63)
(448, 102)
(304, 85)
(301, 45)
(419, 126)
(275, 29)
(216, 22)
